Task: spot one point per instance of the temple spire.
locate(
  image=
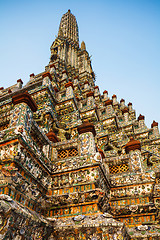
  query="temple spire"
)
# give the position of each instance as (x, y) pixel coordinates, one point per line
(68, 26)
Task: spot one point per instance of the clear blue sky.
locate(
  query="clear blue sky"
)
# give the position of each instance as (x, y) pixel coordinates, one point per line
(123, 37)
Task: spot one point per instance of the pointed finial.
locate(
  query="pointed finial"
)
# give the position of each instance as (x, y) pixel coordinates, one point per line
(154, 124)
(83, 46)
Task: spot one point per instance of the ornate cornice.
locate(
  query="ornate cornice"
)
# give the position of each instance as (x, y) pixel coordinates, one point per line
(108, 102)
(47, 74)
(69, 84)
(26, 98)
(86, 127)
(90, 94)
(125, 110)
(132, 145)
(52, 137)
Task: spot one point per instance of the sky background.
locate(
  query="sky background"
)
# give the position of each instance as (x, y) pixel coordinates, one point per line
(122, 36)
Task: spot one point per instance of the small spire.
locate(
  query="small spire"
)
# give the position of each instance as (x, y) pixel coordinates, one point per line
(83, 46)
(154, 124)
(141, 117)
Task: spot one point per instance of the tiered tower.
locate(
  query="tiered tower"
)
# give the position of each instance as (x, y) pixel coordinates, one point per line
(68, 27)
(75, 163)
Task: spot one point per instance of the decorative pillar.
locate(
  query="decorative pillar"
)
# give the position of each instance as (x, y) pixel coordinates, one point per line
(75, 80)
(109, 107)
(47, 149)
(72, 56)
(90, 99)
(19, 83)
(141, 122)
(69, 90)
(52, 68)
(105, 95)
(122, 103)
(64, 52)
(61, 51)
(154, 125)
(86, 85)
(32, 76)
(78, 102)
(114, 98)
(76, 58)
(69, 55)
(130, 107)
(64, 75)
(96, 91)
(86, 136)
(22, 117)
(125, 112)
(133, 147)
(1, 90)
(46, 78)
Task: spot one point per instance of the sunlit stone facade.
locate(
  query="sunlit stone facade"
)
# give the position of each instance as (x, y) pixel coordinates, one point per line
(75, 163)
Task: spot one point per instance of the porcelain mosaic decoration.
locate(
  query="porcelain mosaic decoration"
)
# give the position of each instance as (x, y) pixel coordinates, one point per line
(75, 163)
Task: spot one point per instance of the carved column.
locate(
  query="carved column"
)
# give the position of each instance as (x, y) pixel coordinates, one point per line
(46, 78)
(125, 112)
(141, 122)
(105, 95)
(69, 90)
(86, 136)
(154, 125)
(133, 147)
(90, 99)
